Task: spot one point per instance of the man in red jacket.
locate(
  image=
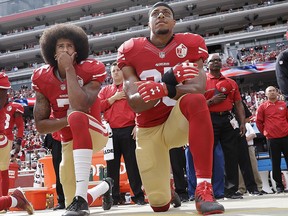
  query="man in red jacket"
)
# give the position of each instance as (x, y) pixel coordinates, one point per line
(121, 118)
(272, 122)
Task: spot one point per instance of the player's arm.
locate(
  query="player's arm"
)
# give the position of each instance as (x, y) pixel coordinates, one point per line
(241, 115)
(19, 122)
(41, 114)
(130, 88)
(3, 97)
(81, 98)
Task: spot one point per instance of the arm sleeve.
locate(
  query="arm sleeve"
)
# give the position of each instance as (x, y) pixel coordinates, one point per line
(104, 104)
(260, 120)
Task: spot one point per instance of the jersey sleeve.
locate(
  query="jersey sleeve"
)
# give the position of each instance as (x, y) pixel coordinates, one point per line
(19, 108)
(36, 77)
(123, 53)
(95, 68)
(4, 81)
(199, 49)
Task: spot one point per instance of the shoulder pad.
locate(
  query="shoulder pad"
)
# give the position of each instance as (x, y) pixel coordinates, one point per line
(39, 71)
(126, 46)
(91, 65)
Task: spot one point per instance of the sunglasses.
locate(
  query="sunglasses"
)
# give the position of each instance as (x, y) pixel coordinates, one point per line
(215, 60)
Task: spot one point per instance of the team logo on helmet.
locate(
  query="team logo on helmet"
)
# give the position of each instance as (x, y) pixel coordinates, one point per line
(181, 51)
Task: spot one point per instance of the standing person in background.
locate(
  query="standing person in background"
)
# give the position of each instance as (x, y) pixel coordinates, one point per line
(53, 142)
(272, 122)
(246, 171)
(250, 135)
(218, 179)
(14, 117)
(281, 70)
(222, 94)
(152, 68)
(67, 88)
(5, 144)
(122, 122)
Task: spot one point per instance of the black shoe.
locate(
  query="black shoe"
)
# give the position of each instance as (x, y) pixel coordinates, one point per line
(192, 198)
(107, 200)
(236, 195)
(184, 197)
(59, 206)
(263, 192)
(78, 207)
(255, 193)
(219, 197)
(175, 200)
(140, 202)
(279, 190)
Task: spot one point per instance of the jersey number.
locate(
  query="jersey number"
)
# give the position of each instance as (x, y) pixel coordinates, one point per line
(155, 75)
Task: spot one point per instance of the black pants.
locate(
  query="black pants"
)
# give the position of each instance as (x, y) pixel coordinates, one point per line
(57, 158)
(278, 146)
(229, 140)
(245, 165)
(124, 144)
(178, 164)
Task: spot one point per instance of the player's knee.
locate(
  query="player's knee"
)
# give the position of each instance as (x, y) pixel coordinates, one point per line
(193, 103)
(77, 120)
(196, 99)
(159, 201)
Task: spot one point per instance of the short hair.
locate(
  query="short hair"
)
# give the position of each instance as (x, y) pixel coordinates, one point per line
(76, 34)
(158, 4)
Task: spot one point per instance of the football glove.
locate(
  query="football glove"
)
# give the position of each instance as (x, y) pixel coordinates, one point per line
(150, 90)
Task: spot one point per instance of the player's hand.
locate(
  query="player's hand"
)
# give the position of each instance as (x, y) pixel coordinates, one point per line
(150, 90)
(218, 98)
(185, 71)
(65, 60)
(18, 145)
(17, 149)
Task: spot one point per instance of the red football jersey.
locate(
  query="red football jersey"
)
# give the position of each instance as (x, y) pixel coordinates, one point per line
(10, 109)
(151, 63)
(4, 84)
(45, 82)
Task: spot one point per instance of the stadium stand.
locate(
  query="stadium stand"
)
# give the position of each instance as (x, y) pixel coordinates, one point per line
(227, 28)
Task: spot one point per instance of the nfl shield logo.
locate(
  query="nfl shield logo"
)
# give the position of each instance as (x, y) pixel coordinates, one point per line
(162, 54)
(181, 51)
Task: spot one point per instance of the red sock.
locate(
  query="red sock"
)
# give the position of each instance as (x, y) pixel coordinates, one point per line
(89, 198)
(5, 182)
(201, 138)
(161, 209)
(5, 202)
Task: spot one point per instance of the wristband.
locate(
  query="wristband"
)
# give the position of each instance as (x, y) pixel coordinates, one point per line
(169, 78)
(171, 90)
